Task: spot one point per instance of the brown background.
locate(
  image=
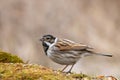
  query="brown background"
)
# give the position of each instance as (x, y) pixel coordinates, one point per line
(92, 22)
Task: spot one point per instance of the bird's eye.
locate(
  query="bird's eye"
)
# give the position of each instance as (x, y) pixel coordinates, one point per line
(47, 38)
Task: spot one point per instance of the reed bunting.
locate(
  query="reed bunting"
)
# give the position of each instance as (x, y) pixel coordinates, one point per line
(66, 52)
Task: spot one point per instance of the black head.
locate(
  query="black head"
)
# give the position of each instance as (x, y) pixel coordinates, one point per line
(47, 40)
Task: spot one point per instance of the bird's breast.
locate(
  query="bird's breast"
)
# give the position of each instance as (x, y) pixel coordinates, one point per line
(62, 57)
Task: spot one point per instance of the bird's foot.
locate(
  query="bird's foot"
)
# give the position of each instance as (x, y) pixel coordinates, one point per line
(68, 72)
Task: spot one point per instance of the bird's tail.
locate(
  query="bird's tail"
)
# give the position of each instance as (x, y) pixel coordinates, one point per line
(101, 54)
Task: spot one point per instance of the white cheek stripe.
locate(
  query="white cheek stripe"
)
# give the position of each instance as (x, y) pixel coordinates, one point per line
(47, 43)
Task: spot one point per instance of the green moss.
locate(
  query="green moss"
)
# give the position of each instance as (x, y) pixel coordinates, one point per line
(80, 76)
(9, 58)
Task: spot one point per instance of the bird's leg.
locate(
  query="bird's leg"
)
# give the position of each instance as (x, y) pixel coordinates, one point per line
(64, 68)
(70, 69)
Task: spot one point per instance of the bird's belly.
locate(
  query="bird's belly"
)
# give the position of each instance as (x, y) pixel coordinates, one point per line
(63, 58)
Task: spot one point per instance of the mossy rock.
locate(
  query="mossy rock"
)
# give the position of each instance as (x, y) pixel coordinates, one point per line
(9, 58)
(21, 71)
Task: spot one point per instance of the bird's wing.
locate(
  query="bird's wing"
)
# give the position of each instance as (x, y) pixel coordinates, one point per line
(64, 44)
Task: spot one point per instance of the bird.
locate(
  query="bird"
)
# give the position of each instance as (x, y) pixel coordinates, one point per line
(66, 52)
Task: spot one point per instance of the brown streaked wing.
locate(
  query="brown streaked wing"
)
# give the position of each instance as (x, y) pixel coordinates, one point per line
(64, 44)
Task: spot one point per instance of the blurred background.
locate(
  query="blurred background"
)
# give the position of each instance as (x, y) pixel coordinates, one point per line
(92, 22)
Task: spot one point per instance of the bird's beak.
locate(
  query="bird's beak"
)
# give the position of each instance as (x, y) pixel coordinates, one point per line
(41, 39)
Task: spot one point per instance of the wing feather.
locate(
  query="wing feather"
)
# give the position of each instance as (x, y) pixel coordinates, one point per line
(64, 44)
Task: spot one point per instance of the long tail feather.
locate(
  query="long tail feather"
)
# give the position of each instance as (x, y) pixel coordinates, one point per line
(101, 54)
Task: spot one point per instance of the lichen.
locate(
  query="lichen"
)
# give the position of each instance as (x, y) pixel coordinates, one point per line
(9, 58)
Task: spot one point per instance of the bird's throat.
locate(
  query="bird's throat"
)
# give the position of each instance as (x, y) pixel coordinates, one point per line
(48, 44)
(45, 47)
